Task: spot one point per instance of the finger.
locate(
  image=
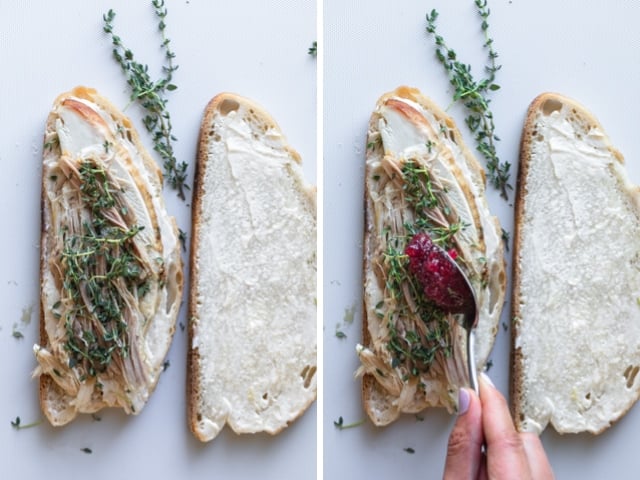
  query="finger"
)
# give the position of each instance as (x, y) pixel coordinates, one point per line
(505, 448)
(465, 440)
(538, 461)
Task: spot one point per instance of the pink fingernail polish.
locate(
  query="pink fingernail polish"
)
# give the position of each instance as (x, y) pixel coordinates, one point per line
(464, 399)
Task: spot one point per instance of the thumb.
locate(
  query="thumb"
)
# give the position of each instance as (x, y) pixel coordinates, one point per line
(465, 440)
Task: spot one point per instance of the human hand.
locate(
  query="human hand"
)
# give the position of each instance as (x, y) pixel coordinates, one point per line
(509, 454)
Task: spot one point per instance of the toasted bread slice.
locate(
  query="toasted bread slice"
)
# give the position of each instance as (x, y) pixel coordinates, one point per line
(420, 177)
(576, 274)
(252, 348)
(110, 266)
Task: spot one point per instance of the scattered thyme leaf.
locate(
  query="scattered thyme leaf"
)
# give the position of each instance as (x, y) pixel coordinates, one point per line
(505, 239)
(152, 95)
(86, 450)
(409, 450)
(347, 319)
(16, 333)
(25, 319)
(182, 236)
(96, 417)
(349, 315)
(473, 94)
(488, 365)
(18, 425)
(340, 425)
(313, 49)
(419, 418)
(166, 365)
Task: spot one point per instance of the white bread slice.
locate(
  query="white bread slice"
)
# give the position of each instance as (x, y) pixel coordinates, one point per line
(576, 311)
(252, 349)
(408, 127)
(91, 148)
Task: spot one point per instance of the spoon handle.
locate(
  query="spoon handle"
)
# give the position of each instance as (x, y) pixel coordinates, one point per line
(471, 361)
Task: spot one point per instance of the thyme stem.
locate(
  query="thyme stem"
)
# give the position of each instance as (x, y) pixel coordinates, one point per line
(151, 96)
(473, 95)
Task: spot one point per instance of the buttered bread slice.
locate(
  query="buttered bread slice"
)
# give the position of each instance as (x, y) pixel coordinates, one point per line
(576, 310)
(252, 351)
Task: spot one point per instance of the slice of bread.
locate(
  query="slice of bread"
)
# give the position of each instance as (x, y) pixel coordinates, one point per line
(252, 328)
(576, 274)
(110, 266)
(420, 176)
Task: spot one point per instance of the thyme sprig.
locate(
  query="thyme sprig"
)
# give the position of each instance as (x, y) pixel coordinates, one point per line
(152, 96)
(473, 94)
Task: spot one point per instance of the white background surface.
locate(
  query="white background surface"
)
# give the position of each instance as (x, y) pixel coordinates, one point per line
(257, 49)
(586, 49)
(589, 50)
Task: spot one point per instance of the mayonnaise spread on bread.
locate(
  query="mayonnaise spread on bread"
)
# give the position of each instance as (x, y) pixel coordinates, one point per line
(256, 275)
(579, 278)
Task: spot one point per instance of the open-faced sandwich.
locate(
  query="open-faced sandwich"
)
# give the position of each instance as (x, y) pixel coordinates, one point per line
(422, 182)
(110, 268)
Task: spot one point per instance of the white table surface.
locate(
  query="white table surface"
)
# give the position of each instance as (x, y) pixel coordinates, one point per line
(257, 49)
(588, 50)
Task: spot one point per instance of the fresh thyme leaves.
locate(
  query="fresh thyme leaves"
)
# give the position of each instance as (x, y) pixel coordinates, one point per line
(419, 331)
(426, 330)
(426, 197)
(25, 319)
(473, 94)
(505, 239)
(102, 271)
(347, 320)
(151, 95)
(182, 236)
(313, 49)
(340, 425)
(409, 450)
(86, 450)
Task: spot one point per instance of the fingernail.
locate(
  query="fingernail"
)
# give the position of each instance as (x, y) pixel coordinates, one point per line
(464, 399)
(486, 378)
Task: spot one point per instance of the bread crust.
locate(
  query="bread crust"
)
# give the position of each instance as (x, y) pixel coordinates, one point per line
(517, 390)
(379, 405)
(50, 394)
(220, 104)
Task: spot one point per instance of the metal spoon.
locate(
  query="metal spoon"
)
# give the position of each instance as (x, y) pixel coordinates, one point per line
(468, 310)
